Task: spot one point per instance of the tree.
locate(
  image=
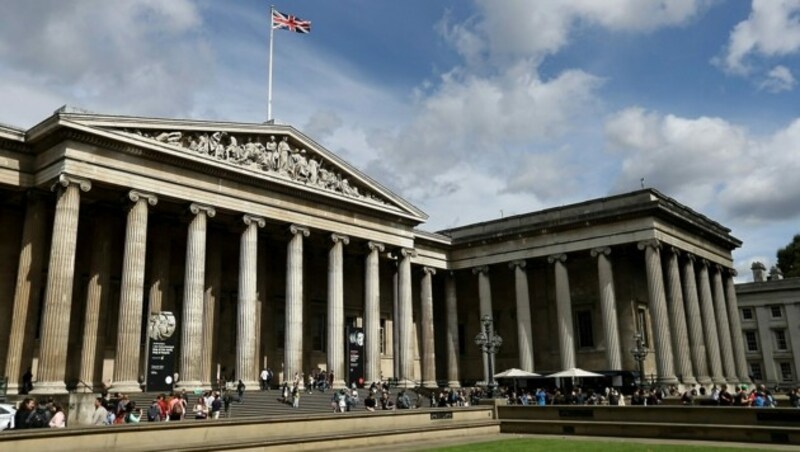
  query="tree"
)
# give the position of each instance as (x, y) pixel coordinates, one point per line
(789, 258)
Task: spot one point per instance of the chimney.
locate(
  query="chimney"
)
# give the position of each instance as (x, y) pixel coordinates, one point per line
(759, 272)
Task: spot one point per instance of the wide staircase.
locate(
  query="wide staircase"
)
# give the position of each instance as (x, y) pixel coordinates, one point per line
(268, 403)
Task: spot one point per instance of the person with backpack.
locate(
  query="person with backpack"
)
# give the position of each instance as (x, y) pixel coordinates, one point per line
(176, 408)
(216, 406)
(154, 412)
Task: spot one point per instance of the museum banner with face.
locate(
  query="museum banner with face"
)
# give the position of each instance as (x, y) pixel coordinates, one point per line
(355, 356)
(162, 351)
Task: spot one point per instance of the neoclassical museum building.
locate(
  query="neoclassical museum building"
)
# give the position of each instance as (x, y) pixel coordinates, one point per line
(260, 247)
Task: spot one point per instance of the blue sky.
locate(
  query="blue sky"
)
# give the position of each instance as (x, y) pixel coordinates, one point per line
(469, 109)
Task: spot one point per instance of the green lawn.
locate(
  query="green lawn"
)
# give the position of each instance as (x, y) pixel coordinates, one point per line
(556, 445)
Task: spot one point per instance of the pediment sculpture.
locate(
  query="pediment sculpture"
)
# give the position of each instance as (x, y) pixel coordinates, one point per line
(271, 155)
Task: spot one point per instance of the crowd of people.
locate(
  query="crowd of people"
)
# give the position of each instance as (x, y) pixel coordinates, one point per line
(45, 413)
(741, 395)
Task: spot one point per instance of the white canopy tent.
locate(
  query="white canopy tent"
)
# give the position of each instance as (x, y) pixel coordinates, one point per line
(516, 374)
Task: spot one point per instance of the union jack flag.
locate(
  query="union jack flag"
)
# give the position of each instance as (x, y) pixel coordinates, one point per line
(291, 23)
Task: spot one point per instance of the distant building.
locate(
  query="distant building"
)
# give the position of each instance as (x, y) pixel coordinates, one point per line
(770, 313)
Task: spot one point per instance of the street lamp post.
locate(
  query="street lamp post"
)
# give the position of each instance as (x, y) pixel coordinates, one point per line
(639, 352)
(489, 343)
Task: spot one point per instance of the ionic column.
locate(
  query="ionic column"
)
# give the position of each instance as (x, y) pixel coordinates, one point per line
(485, 301)
(566, 335)
(658, 311)
(742, 370)
(129, 325)
(97, 293)
(336, 358)
(524, 327)
(293, 342)
(608, 307)
(29, 282)
(211, 299)
(58, 293)
(677, 317)
(246, 312)
(426, 321)
(191, 359)
(372, 313)
(406, 312)
(696, 339)
(726, 346)
(710, 325)
(9, 252)
(451, 302)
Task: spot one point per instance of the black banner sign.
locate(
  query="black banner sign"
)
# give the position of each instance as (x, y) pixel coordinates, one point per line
(355, 356)
(162, 351)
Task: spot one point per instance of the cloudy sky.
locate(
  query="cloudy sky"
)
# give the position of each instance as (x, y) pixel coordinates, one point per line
(469, 109)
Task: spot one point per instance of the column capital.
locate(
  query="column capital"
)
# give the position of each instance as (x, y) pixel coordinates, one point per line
(703, 262)
(650, 243)
(136, 195)
(553, 258)
(429, 270)
(604, 250)
(296, 229)
(674, 250)
(340, 238)
(196, 208)
(521, 263)
(482, 269)
(248, 220)
(691, 257)
(65, 180)
(732, 272)
(376, 246)
(408, 252)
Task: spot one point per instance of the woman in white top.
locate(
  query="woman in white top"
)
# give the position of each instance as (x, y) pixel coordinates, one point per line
(58, 420)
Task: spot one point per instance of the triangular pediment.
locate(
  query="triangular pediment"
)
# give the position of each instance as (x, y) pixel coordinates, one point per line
(276, 152)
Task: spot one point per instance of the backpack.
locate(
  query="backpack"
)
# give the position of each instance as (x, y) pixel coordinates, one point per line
(153, 413)
(178, 408)
(38, 420)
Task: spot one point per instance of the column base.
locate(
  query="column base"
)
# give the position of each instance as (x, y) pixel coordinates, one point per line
(338, 384)
(125, 387)
(50, 387)
(13, 388)
(718, 381)
(189, 385)
(743, 380)
(249, 385)
(668, 380)
(431, 384)
(453, 384)
(406, 384)
(689, 380)
(732, 381)
(704, 381)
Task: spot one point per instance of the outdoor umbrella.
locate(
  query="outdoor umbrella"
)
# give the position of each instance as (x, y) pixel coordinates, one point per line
(573, 373)
(515, 374)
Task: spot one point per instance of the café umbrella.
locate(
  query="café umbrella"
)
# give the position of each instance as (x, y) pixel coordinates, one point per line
(516, 374)
(573, 373)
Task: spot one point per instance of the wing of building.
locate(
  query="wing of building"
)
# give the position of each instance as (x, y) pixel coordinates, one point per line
(251, 246)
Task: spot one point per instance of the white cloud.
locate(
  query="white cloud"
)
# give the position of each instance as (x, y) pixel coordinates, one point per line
(108, 56)
(710, 163)
(526, 29)
(772, 29)
(779, 79)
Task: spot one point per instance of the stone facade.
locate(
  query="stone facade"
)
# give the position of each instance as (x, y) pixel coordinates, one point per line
(265, 246)
(769, 319)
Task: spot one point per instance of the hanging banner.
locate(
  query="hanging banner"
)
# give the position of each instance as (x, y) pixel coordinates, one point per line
(355, 356)
(162, 351)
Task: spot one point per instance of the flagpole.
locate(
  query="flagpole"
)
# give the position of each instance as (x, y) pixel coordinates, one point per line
(269, 85)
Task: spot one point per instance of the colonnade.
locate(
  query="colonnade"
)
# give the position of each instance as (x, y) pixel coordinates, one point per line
(199, 310)
(692, 304)
(696, 331)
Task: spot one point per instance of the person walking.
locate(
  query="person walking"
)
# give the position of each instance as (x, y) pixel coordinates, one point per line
(240, 387)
